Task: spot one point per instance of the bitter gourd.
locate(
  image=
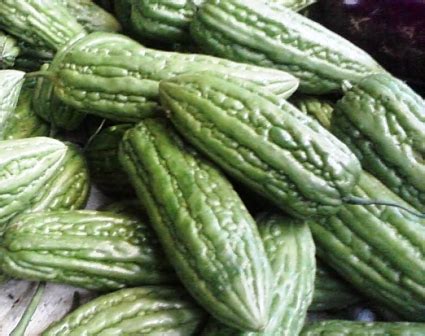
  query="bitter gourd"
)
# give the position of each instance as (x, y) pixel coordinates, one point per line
(379, 249)
(40, 174)
(383, 121)
(130, 207)
(295, 5)
(263, 141)
(23, 122)
(269, 35)
(11, 82)
(150, 311)
(9, 51)
(45, 23)
(32, 58)
(89, 249)
(351, 328)
(320, 109)
(290, 249)
(207, 233)
(102, 158)
(114, 77)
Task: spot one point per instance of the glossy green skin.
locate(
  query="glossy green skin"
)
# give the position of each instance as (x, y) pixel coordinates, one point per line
(263, 141)
(319, 109)
(331, 292)
(383, 121)
(51, 109)
(290, 249)
(264, 34)
(350, 328)
(114, 77)
(40, 174)
(90, 249)
(9, 50)
(206, 231)
(380, 250)
(102, 158)
(11, 82)
(150, 311)
(53, 26)
(23, 122)
(91, 16)
(163, 20)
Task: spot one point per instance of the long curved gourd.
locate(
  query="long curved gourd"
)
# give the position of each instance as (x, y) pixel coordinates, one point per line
(114, 77)
(290, 249)
(11, 82)
(206, 231)
(351, 328)
(269, 35)
(263, 141)
(9, 51)
(45, 23)
(383, 121)
(380, 250)
(40, 174)
(149, 311)
(89, 249)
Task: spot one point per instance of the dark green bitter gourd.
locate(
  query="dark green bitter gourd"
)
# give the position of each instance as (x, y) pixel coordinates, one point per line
(206, 231)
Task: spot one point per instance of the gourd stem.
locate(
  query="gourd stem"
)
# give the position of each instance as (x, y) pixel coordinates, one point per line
(22, 325)
(40, 73)
(363, 201)
(90, 140)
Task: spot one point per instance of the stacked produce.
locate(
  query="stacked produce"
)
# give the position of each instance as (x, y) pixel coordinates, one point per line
(279, 112)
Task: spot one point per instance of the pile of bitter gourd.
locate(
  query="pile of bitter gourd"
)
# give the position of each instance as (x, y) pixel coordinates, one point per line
(240, 141)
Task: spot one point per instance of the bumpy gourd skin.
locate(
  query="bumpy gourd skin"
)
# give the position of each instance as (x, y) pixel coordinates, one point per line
(150, 311)
(9, 50)
(263, 141)
(264, 34)
(114, 77)
(89, 249)
(40, 174)
(380, 250)
(102, 158)
(383, 121)
(11, 82)
(350, 328)
(205, 230)
(39, 22)
(290, 249)
(318, 108)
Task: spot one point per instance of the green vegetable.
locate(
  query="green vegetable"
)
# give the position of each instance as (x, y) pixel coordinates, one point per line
(320, 109)
(331, 292)
(114, 77)
(45, 23)
(122, 11)
(205, 230)
(40, 174)
(23, 122)
(290, 249)
(127, 207)
(91, 16)
(350, 328)
(295, 5)
(51, 109)
(9, 51)
(383, 121)
(102, 158)
(11, 82)
(264, 34)
(31, 58)
(263, 141)
(89, 249)
(149, 311)
(380, 250)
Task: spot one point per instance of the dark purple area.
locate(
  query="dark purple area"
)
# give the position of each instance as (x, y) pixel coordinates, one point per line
(393, 31)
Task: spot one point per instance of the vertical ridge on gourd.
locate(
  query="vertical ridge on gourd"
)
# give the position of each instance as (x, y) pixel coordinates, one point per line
(270, 35)
(114, 77)
(11, 82)
(150, 310)
(263, 141)
(383, 121)
(89, 249)
(380, 250)
(290, 249)
(206, 231)
(9, 51)
(39, 22)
